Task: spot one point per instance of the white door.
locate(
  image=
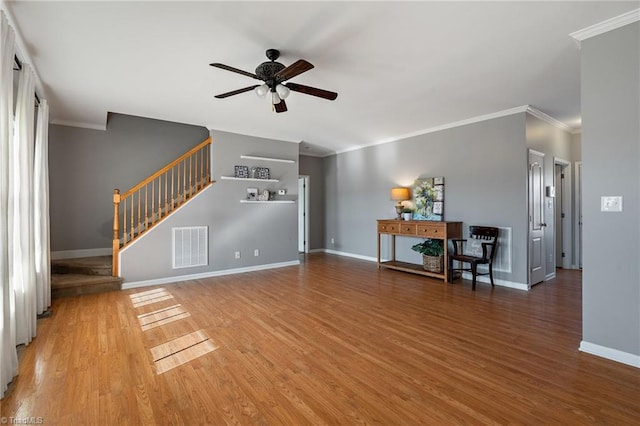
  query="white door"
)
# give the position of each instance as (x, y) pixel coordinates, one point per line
(536, 218)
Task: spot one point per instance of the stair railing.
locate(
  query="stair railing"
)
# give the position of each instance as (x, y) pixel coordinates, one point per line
(153, 199)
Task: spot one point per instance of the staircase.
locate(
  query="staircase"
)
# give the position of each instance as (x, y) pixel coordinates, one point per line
(87, 275)
(149, 202)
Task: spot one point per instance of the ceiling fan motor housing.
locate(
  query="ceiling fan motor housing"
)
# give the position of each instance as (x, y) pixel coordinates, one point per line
(267, 70)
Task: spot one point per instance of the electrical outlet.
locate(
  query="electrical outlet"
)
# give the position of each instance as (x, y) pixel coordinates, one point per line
(333, 240)
(237, 255)
(282, 192)
(256, 252)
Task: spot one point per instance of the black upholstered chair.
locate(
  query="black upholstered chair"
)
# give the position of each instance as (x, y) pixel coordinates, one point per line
(478, 249)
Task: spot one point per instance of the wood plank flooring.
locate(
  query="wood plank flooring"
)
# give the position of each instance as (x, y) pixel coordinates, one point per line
(333, 341)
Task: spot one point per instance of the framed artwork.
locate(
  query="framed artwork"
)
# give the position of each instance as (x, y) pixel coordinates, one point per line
(428, 198)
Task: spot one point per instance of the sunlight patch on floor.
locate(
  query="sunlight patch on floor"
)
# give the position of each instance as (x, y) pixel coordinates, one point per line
(179, 351)
(176, 352)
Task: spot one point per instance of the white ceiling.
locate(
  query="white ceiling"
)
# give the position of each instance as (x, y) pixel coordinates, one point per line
(399, 68)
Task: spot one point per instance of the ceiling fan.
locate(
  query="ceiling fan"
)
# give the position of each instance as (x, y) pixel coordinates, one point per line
(274, 74)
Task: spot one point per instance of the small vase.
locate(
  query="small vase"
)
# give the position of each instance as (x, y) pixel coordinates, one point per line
(406, 216)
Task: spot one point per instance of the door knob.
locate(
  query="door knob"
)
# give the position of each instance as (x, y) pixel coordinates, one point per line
(543, 224)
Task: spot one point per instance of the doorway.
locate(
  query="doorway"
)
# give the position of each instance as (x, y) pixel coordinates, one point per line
(537, 269)
(303, 217)
(562, 214)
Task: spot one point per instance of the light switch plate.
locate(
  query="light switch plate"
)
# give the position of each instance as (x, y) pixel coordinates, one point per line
(610, 203)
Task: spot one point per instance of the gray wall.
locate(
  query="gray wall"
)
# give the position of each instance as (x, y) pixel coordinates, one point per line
(610, 94)
(554, 143)
(484, 166)
(314, 168)
(233, 226)
(576, 147)
(85, 166)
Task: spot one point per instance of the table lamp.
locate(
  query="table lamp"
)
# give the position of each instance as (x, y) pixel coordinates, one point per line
(399, 194)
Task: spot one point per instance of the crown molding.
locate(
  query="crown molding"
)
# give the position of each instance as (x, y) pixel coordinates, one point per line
(547, 118)
(606, 26)
(504, 113)
(477, 119)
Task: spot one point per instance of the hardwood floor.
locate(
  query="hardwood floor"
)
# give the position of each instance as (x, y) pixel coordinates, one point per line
(334, 341)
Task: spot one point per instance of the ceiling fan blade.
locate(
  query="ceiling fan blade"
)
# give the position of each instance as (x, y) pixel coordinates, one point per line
(297, 68)
(313, 91)
(232, 69)
(236, 92)
(281, 106)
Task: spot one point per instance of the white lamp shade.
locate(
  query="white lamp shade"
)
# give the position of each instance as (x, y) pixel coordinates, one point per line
(262, 90)
(275, 99)
(283, 91)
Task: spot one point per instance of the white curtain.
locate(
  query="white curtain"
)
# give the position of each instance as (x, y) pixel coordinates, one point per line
(41, 210)
(22, 271)
(8, 354)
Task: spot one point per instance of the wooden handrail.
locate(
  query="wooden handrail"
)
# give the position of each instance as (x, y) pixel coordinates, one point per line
(168, 166)
(146, 204)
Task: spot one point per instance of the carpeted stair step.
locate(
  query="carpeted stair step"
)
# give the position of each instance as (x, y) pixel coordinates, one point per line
(85, 275)
(98, 265)
(65, 285)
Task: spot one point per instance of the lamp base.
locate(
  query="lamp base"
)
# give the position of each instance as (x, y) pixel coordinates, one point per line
(399, 209)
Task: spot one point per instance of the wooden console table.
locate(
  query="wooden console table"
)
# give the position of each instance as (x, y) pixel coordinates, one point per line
(421, 229)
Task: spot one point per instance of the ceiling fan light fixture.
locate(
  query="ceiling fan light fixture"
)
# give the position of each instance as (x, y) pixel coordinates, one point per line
(283, 91)
(271, 75)
(262, 90)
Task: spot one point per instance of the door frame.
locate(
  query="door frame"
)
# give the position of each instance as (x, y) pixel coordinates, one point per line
(567, 241)
(577, 222)
(303, 212)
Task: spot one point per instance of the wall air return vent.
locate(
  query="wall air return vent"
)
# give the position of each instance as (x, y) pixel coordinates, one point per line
(190, 246)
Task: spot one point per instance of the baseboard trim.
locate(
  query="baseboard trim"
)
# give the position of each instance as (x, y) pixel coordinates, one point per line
(550, 276)
(73, 254)
(316, 251)
(610, 353)
(501, 283)
(353, 255)
(466, 275)
(179, 278)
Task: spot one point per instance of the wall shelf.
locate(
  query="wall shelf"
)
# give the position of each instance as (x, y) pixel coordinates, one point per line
(277, 160)
(248, 179)
(268, 202)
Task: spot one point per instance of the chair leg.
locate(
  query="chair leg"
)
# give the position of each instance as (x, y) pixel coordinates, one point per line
(491, 273)
(450, 271)
(474, 270)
